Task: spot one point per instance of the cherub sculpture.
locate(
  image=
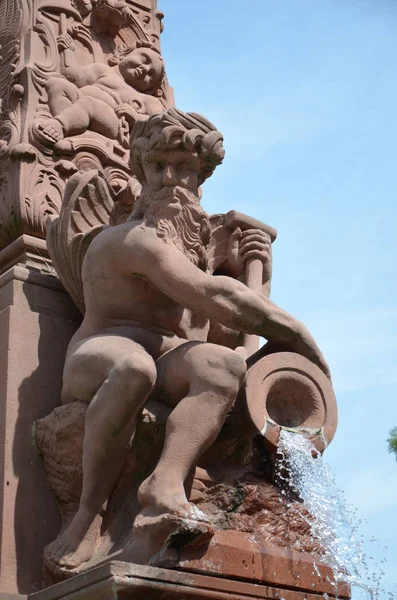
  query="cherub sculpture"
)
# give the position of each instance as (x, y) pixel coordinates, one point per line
(96, 97)
(151, 305)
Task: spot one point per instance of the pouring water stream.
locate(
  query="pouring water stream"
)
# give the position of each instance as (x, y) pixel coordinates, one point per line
(335, 524)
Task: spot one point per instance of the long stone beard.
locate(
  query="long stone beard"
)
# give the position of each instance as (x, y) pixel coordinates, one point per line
(179, 220)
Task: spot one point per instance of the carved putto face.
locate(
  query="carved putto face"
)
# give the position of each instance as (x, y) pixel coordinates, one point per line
(143, 69)
(171, 168)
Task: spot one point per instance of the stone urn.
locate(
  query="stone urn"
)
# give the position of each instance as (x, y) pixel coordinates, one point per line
(285, 390)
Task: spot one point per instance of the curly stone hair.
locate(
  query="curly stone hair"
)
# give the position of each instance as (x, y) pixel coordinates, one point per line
(173, 129)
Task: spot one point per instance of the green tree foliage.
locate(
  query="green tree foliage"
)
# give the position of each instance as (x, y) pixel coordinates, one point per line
(392, 441)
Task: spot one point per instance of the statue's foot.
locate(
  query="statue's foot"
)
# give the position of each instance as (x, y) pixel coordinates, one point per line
(76, 544)
(152, 536)
(158, 498)
(49, 131)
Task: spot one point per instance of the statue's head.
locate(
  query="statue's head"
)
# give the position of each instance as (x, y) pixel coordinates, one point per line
(142, 67)
(175, 146)
(172, 154)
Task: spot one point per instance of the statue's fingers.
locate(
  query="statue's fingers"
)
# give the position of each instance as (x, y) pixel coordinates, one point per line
(253, 245)
(257, 232)
(255, 237)
(257, 254)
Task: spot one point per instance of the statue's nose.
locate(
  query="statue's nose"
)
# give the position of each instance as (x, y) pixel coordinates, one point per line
(169, 177)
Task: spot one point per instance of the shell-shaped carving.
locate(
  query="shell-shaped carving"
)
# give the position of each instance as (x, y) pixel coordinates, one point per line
(86, 209)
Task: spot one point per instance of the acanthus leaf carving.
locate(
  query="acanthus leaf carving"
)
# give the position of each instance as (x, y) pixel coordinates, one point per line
(11, 225)
(43, 199)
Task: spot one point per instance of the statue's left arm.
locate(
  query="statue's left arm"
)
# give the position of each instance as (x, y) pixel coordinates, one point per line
(221, 299)
(78, 74)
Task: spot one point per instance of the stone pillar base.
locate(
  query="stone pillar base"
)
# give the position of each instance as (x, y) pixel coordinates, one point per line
(122, 580)
(37, 320)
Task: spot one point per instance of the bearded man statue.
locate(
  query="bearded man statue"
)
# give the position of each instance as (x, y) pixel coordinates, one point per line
(150, 300)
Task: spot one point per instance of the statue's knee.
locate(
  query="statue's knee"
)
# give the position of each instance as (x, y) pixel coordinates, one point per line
(138, 371)
(225, 368)
(234, 367)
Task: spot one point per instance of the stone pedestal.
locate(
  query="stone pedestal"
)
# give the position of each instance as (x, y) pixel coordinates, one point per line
(120, 580)
(37, 320)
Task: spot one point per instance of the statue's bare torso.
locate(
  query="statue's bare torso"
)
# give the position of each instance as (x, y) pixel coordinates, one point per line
(122, 302)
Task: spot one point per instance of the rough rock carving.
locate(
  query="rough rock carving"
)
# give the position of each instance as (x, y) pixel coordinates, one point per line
(159, 441)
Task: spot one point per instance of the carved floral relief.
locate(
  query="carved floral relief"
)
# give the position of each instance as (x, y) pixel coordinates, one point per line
(74, 77)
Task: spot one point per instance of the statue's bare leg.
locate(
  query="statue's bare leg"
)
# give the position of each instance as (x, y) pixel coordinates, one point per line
(115, 376)
(85, 113)
(201, 380)
(89, 113)
(62, 93)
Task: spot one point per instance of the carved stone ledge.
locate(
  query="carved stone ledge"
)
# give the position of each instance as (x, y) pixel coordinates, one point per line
(28, 251)
(124, 581)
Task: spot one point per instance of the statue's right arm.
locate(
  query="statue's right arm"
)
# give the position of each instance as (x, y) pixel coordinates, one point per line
(220, 298)
(72, 70)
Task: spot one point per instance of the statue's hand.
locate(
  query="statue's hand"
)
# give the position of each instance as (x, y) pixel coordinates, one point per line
(130, 111)
(256, 244)
(320, 361)
(65, 41)
(126, 110)
(249, 245)
(304, 344)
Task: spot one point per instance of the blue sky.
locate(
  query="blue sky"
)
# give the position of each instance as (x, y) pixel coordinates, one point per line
(305, 93)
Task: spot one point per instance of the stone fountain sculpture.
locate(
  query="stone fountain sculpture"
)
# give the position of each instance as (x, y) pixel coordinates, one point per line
(170, 432)
(163, 450)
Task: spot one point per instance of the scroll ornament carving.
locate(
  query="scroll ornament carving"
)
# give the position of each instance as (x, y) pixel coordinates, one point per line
(11, 93)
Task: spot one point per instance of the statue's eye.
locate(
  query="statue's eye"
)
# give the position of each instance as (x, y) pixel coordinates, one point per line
(183, 166)
(144, 59)
(155, 165)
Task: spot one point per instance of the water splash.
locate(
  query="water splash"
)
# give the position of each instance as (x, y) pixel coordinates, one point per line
(335, 524)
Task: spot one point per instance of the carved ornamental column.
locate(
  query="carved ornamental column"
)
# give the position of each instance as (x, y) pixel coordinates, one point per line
(34, 88)
(39, 41)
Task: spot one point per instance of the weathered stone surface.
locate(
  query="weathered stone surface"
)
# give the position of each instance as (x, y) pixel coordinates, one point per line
(125, 580)
(163, 450)
(73, 76)
(241, 496)
(152, 296)
(37, 320)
